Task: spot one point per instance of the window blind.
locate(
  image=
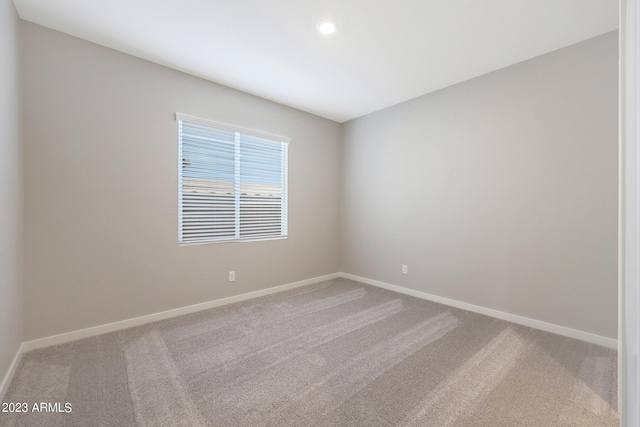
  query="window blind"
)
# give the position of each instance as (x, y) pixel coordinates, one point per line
(232, 184)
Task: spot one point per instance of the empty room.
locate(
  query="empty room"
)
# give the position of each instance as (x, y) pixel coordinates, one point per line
(331, 213)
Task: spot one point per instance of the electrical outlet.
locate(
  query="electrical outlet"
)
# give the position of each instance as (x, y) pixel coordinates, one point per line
(405, 269)
(232, 276)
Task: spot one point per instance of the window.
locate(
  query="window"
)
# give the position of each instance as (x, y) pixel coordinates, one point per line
(232, 183)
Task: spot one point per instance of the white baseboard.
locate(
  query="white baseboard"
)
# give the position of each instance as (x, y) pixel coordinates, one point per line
(124, 324)
(4, 385)
(536, 324)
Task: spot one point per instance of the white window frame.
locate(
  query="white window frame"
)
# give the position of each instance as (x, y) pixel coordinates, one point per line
(248, 132)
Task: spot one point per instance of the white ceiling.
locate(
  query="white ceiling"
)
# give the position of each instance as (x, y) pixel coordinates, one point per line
(383, 53)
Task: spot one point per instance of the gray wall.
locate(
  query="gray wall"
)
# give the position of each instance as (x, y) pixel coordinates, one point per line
(100, 159)
(500, 191)
(10, 189)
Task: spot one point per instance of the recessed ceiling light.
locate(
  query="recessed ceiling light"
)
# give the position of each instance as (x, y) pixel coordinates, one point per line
(326, 27)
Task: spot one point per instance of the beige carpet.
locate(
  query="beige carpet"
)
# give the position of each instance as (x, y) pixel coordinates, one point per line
(338, 353)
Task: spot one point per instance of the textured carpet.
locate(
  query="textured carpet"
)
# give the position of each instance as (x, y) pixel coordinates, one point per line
(337, 353)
